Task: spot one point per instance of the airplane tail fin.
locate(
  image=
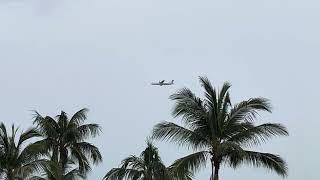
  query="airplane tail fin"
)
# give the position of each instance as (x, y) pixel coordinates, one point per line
(172, 81)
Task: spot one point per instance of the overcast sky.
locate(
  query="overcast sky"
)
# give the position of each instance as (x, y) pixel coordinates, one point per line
(102, 54)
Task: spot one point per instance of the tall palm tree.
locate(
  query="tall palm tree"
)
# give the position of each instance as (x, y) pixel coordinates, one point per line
(17, 160)
(220, 132)
(66, 140)
(147, 166)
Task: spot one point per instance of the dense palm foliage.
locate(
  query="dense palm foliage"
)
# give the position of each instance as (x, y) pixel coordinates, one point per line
(17, 160)
(65, 139)
(50, 171)
(219, 131)
(147, 166)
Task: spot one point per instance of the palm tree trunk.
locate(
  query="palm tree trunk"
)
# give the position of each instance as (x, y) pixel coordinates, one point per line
(61, 163)
(10, 175)
(215, 170)
(60, 171)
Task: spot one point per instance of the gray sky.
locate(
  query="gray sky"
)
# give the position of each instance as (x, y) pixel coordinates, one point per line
(102, 54)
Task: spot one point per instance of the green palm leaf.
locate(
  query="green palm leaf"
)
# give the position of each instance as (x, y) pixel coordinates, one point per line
(257, 134)
(258, 159)
(180, 135)
(192, 162)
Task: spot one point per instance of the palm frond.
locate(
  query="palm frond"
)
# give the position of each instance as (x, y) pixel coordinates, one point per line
(37, 178)
(30, 133)
(210, 93)
(83, 162)
(120, 173)
(192, 110)
(47, 126)
(188, 106)
(191, 163)
(257, 159)
(31, 152)
(90, 151)
(247, 110)
(33, 166)
(88, 130)
(179, 135)
(224, 95)
(134, 162)
(4, 136)
(257, 134)
(174, 173)
(74, 174)
(79, 117)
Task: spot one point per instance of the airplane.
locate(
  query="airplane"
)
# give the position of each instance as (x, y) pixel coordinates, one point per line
(163, 83)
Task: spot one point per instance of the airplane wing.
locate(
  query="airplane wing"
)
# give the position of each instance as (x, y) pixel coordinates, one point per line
(161, 83)
(169, 83)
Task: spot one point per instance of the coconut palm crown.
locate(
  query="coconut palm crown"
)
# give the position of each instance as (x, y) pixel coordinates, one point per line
(66, 141)
(147, 166)
(18, 160)
(220, 132)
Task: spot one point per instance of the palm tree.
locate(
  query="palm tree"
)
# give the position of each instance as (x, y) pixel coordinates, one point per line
(147, 166)
(220, 132)
(17, 160)
(51, 171)
(65, 139)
